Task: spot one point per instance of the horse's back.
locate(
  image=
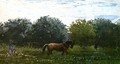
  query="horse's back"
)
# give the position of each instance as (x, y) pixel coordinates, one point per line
(55, 45)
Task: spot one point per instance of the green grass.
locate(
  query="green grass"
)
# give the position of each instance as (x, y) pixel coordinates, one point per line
(77, 55)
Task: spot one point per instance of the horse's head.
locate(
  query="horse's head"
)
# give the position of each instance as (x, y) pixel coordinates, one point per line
(70, 43)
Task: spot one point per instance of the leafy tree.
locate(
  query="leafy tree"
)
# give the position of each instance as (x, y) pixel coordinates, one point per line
(16, 29)
(118, 22)
(117, 33)
(82, 32)
(48, 29)
(1, 32)
(105, 33)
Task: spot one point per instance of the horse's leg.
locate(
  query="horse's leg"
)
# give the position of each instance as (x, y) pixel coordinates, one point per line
(66, 52)
(49, 51)
(62, 52)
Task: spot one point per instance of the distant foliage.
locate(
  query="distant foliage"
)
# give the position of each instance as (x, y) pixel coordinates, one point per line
(1, 33)
(45, 30)
(48, 29)
(82, 32)
(16, 29)
(107, 33)
(98, 32)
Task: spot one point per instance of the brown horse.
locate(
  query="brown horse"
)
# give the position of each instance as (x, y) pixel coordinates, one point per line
(58, 47)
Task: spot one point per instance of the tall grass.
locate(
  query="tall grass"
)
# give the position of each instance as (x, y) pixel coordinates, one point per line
(77, 55)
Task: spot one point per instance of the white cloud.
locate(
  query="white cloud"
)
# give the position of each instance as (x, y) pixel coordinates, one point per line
(62, 9)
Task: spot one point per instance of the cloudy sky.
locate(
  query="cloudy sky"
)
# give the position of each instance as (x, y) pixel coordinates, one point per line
(66, 10)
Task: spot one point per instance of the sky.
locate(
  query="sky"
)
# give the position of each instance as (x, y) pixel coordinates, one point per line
(65, 10)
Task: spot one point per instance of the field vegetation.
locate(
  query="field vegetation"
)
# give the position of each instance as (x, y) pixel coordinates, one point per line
(77, 55)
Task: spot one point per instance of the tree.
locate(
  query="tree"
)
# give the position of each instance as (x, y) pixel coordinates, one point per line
(82, 32)
(117, 33)
(1, 32)
(16, 29)
(48, 29)
(105, 33)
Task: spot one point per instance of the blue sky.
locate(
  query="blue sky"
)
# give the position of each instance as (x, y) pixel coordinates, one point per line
(66, 10)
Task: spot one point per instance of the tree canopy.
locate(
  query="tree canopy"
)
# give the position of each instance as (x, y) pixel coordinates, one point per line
(98, 32)
(16, 29)
(106, 33)
(82, 32)
(48, 29)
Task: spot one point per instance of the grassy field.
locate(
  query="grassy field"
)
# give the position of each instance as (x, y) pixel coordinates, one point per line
(77, 55)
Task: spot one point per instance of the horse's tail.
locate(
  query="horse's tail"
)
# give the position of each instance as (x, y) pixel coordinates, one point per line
(43, 48)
